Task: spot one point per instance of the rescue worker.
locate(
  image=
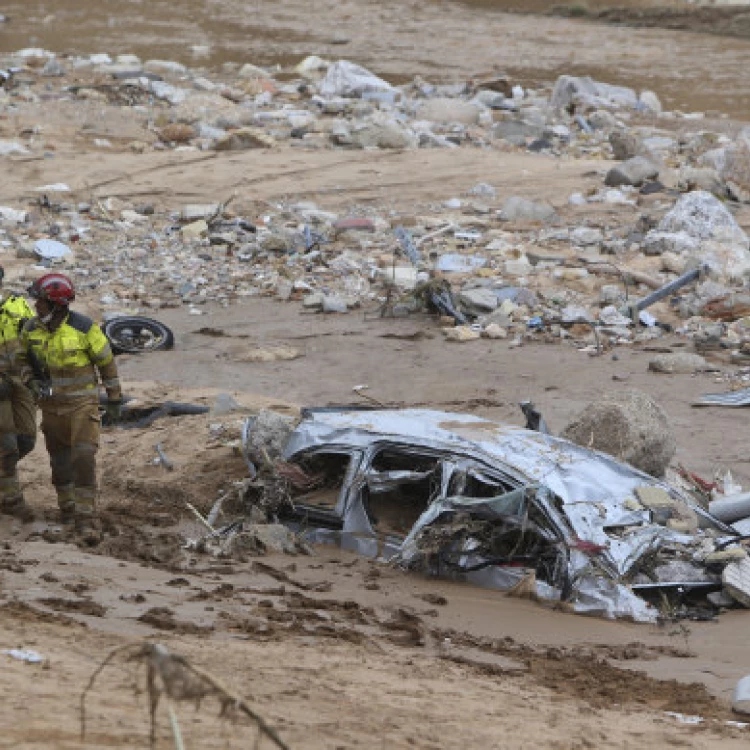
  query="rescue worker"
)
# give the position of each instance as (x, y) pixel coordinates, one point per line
(17, 408)
(62, 353)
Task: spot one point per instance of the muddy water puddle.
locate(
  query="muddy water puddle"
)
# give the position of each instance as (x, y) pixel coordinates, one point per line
(443, 41)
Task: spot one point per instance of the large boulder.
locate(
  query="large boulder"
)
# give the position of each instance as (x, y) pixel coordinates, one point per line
(703, 216)
(628, 425)
(723, 247)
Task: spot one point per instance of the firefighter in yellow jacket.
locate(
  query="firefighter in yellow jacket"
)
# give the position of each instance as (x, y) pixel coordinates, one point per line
(17, 408)
(65, 355)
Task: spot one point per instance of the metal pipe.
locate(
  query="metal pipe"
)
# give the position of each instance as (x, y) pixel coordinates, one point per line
(664, 291)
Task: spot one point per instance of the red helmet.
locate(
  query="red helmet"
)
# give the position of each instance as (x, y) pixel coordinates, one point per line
(54, 287)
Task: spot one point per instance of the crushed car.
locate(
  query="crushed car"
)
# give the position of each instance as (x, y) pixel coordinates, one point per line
(463, 497)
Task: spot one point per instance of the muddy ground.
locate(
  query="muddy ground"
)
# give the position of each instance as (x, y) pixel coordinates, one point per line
(440, 40)
(333, 650)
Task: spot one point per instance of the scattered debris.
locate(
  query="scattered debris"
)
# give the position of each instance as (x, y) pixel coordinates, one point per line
(24, 654)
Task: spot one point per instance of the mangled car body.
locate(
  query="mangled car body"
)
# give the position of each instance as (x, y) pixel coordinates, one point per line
(460, 496)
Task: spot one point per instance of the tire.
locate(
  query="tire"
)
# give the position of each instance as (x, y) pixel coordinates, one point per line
(130, 334)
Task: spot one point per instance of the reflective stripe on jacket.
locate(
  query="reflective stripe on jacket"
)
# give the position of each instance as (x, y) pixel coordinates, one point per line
(69, 358)
(14, 311)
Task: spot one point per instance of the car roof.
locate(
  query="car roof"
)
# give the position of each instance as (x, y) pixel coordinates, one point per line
(573, 473)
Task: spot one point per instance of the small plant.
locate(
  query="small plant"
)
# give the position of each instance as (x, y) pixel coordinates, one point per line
(578, 10)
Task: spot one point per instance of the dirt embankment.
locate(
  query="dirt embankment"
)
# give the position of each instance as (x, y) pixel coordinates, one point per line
(733, 21)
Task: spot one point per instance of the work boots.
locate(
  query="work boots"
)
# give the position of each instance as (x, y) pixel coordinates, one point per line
(87, 527)
(16, 507)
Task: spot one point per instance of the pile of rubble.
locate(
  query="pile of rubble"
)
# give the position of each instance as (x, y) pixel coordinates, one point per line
(505, 266)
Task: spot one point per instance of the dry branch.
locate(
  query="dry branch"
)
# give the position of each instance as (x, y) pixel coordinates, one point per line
(173, 677)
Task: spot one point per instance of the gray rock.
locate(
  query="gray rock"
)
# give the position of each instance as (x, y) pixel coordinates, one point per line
(612, 294)
(570, 91)
(446, 110)
(260, 538)
(243, 139)
(381, 132)
(583, 236)
(516, 208)
(624, 144)
(650, 101)
(628, 425)
(497, 317)
(52, 68)
(736, 168)
(314, 301)
(332, 304)
(517, 132)
(277, 241)
(715, 158)
(701, 178)
(483, 190)
(344, 78)
(658, 243)
(703, 216)
(632, 172)
(659, 145)
(602, 120)
(618, 96)
(681, 363)
(165, 66)
(477, 301)
(268, 436)
(568, 88)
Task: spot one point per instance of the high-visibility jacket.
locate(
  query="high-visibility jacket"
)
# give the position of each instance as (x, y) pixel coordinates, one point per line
(68, 359)
(14, 311)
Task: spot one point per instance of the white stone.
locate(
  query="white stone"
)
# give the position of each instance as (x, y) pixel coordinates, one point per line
(12, 147)
(583, 236)
(704, 217)
(12, 216)
(248, 70)
(461, 334)
(165, 66)
(344, 78)
(495, 331)
(516, 208)
(650, 101)
(311, 66)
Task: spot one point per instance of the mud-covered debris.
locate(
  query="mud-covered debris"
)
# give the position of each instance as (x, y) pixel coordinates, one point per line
(267, 435)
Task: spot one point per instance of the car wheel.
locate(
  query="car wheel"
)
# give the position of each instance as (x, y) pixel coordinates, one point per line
(130, 334)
